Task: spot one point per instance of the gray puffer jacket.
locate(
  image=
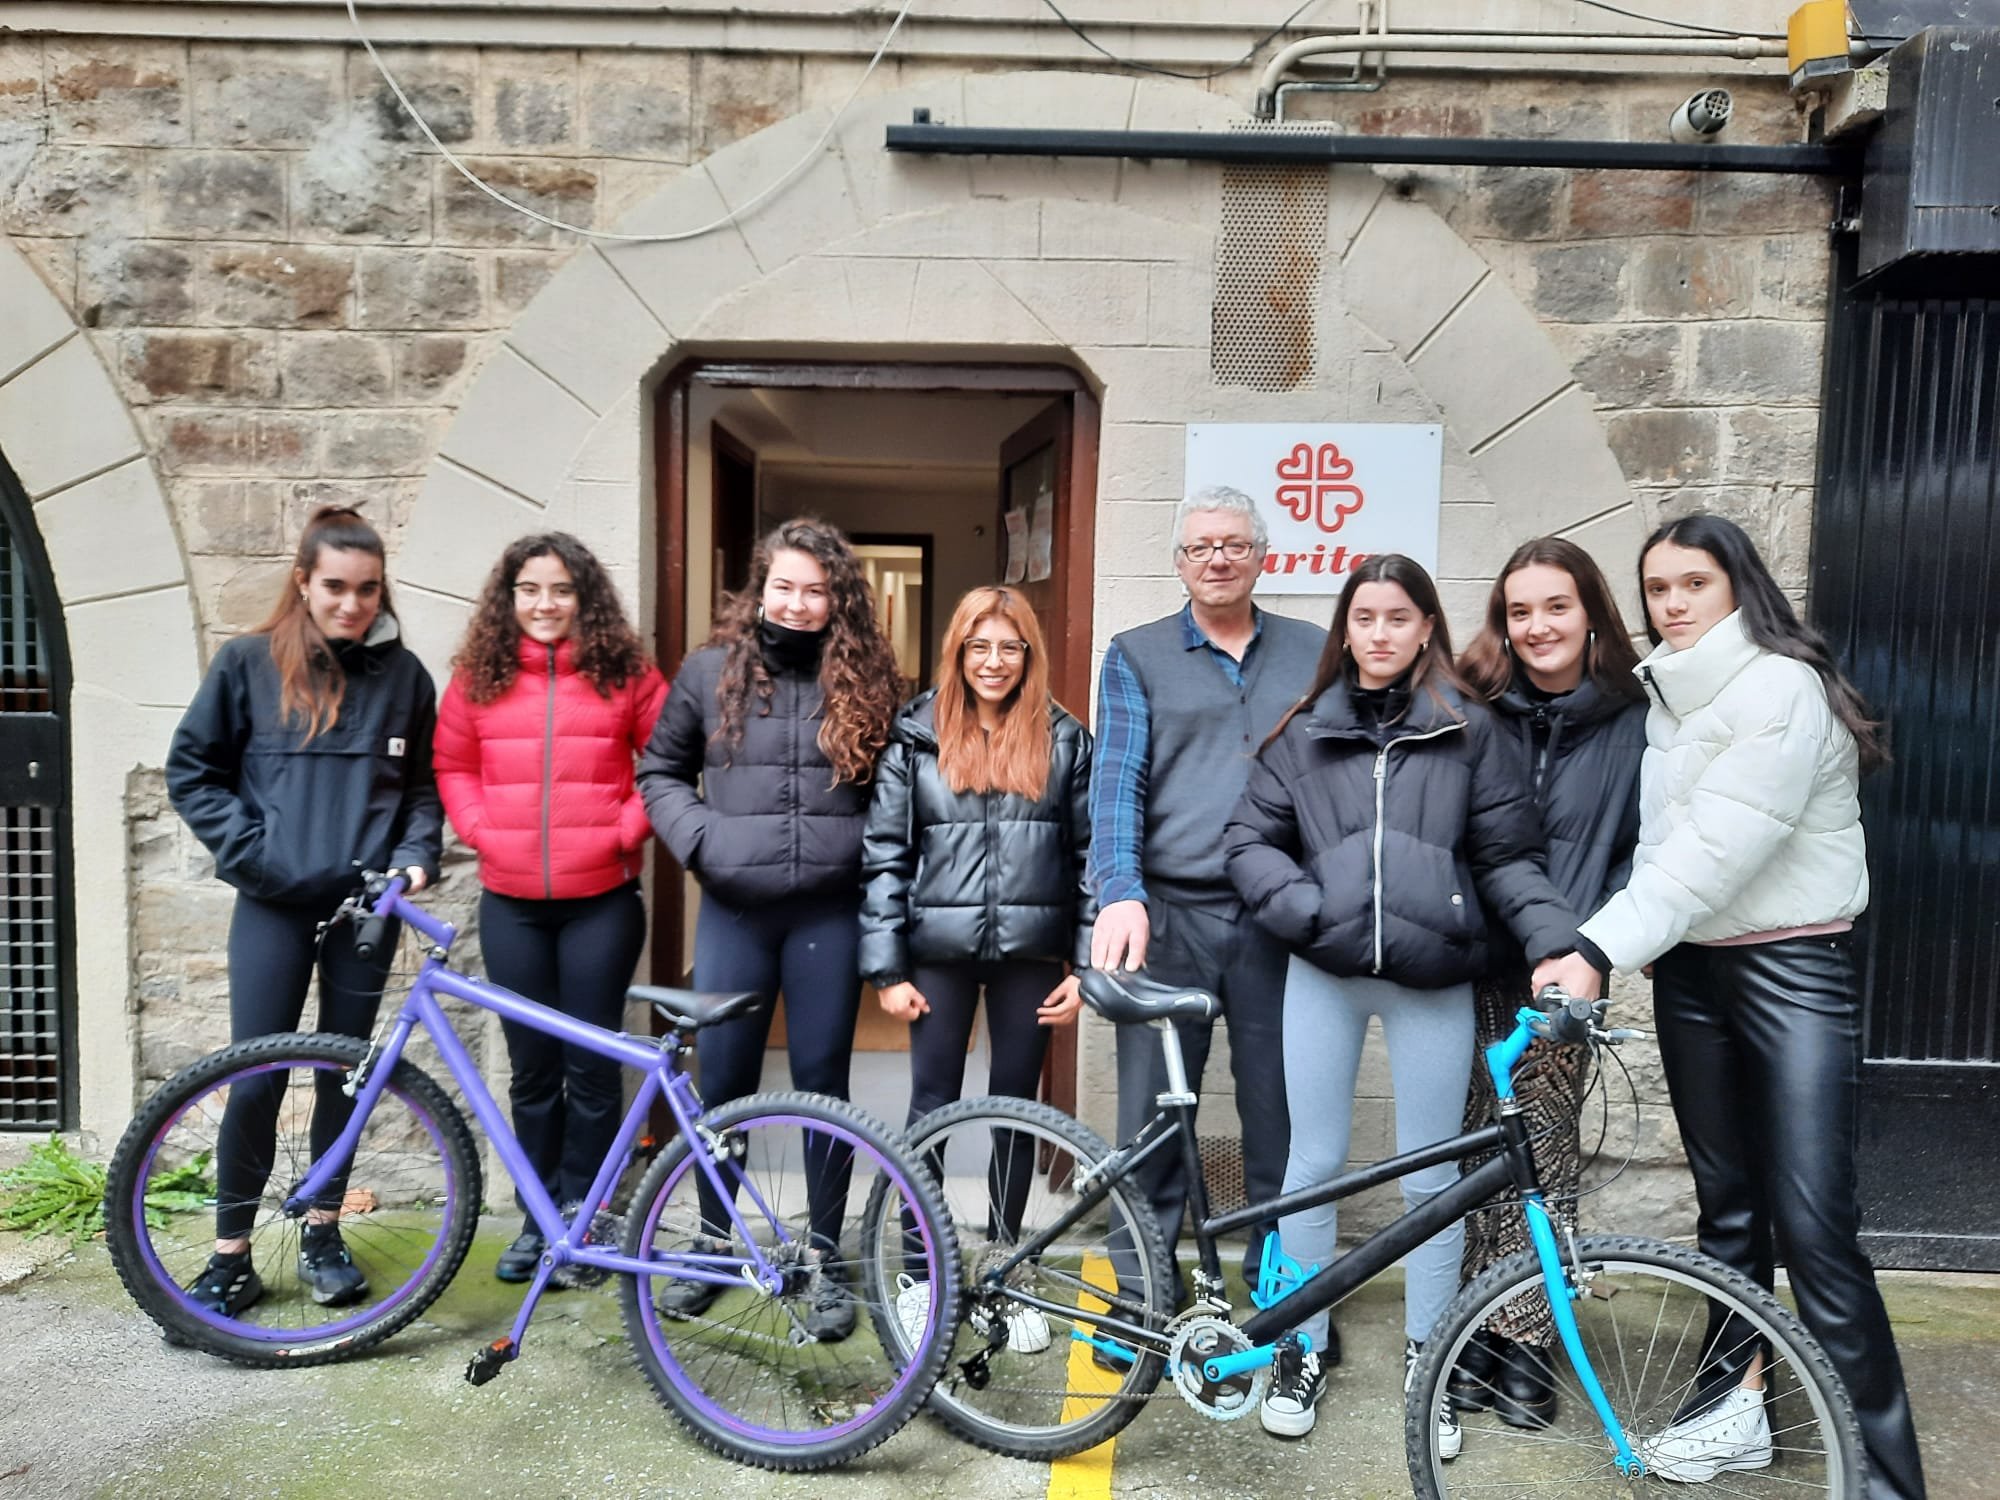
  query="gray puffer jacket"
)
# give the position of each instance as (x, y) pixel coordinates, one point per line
(974, 876)
(760, 820)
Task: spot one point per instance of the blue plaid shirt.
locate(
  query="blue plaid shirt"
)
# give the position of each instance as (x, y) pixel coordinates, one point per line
(1123, 761)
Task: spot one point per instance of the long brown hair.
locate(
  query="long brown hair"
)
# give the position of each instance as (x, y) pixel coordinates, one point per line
(1015, 757)
(311, 681)
(608, 652)
(1608, 658)
(1433, 667)
(858, 676)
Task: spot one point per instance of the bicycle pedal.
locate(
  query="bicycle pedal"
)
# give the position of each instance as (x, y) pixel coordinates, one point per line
(489, 1361)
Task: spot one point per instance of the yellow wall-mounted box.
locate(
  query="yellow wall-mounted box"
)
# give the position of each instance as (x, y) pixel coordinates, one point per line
(1816, 41)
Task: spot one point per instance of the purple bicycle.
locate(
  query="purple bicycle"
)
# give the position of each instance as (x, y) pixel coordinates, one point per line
(762, 1314)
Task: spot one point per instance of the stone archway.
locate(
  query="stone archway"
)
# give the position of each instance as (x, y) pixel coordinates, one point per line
(131, 627)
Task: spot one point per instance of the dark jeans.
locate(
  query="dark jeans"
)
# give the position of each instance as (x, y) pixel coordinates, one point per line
(1762, 1050)
(1221, 950)
(273, 950)
(577, 956)
(806, 947)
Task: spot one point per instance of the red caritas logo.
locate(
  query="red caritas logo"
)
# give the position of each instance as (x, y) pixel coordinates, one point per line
(1313, 485)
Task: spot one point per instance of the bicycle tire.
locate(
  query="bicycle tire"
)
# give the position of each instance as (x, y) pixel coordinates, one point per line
(851, 1399)
(410, 1205)
(1816, 1445)
(1052, 1403)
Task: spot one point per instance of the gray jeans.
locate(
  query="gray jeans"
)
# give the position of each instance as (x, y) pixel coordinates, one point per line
(1429, 1033)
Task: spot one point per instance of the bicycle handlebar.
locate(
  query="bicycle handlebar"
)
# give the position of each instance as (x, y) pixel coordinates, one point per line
(379, 893)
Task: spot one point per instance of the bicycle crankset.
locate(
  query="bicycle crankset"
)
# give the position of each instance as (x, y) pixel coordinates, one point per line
(1196, 1338)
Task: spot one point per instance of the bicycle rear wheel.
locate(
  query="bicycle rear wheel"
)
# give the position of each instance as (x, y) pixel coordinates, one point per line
(409, 1201)
(744, 1368)
(1660, 1325)
(1023, 1377)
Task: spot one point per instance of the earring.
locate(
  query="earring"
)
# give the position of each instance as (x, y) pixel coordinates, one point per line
(1590, 649)
(1507, 644)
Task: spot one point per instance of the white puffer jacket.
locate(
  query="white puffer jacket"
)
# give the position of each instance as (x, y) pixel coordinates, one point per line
(1750, 814)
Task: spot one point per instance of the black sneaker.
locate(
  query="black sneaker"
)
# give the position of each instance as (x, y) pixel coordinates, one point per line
(227, 1284)
(831, 1317)
(328, 1271)
(678, 1297)
(1475, 1380)
(1449, 1437)
(1298, 1380)
(519, 1260)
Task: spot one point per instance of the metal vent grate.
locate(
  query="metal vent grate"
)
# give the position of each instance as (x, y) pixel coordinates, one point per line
(25, 684)
(1267, 276)
(31, 1013)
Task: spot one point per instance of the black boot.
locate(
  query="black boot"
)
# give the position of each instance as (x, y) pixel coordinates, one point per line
(1527, 1394)
(1475, 1379)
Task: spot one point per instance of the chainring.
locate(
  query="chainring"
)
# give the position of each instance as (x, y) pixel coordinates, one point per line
(1195, 1338)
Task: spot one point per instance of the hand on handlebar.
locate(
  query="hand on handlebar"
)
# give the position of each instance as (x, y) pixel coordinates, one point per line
(1570, 972)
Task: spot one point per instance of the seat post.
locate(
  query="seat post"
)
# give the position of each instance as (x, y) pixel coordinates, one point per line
(1177, 1091)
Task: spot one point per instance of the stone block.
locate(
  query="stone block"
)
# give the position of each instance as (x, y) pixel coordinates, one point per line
(1753, 203)
(736, 95)
(288, 286)
(116, 91)
(209, 368)
(520, 427)
(1614, 539)
(1083, 301)
(1759, 361)
(35, 321)
(433, 625)
(110, 535)
(353, 181)
(966, 294)
(440, 83)
(220, 195)
(885, 184)
(811, 211)
(432, 367)
(1073, 230)
(1695, 278)
(1674, 446)
(1472, 542)
(979, 228)
(1488, 364)
(238, 442)
(164, 673)
(590, 333)
(612, 451)
(460, 524)
(1579, 283)
(1548, 111)
(338, 369)
(73, 190)
(1142, 461)
(420, 289)
(1792, 277)
(1352, 195)
(54, 260)
(1135, 538)
(263, 96)
(241, 517)
(235, 592)
(623, 185)
(1180, 304)
(561, 190)
(518, 279)
(681, 279)
(1405, 271)
(1552, 471)
(1630, 203)
(21, 96)
(1777, 445)
(1526, 204)
(528, 99)
(368, 444)
(637, 104)
(123, 282)
(1630, 365)
(94, 431)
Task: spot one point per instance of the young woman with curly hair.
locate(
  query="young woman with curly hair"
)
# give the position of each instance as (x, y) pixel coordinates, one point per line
(551, 697)
(757, 779)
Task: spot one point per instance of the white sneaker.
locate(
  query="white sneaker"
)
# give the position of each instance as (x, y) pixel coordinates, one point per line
(1450, 1438)
(1732, 1434)
(913, 1307)
(1027, 1329)
(1292, 1404)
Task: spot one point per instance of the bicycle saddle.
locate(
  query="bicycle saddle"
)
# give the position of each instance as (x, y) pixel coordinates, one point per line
(1135, 998)
(690, 1010)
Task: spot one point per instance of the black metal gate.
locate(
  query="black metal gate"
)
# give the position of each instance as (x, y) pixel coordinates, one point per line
(37, 1076)
(1906, 583)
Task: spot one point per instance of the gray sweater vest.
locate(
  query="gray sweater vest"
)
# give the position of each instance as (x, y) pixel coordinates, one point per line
(1205, 730)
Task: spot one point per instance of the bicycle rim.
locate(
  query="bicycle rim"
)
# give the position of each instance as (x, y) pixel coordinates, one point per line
(1666, 1332)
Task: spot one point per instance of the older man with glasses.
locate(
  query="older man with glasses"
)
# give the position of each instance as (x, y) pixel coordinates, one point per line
(1182, 706)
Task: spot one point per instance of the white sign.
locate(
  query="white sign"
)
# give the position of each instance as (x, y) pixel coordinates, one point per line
(1331, 493)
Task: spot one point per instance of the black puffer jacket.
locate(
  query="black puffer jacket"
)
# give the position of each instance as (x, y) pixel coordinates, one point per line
(1361, 844)
(955, 877)
(1580, 752)
(760, 820)
(285, 817)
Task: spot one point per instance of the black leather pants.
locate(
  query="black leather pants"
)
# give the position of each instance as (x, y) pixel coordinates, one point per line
(1762, 1049)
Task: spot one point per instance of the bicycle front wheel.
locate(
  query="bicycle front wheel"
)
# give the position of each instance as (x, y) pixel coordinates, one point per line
(221, 1146)
(799, 1378)
(1668, 1332)
(1031, 1373)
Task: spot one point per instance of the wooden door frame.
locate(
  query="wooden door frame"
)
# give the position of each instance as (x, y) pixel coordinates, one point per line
(1076, 549)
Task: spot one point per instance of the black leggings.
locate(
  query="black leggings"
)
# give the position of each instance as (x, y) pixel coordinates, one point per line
(577, 956)
(273, 950)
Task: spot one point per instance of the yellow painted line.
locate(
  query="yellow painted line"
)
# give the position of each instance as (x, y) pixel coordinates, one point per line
(1087, 1476)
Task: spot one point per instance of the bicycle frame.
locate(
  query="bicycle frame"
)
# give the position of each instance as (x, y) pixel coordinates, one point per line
(662, 1078)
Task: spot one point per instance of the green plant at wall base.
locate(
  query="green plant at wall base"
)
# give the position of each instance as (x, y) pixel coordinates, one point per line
(55, 1191)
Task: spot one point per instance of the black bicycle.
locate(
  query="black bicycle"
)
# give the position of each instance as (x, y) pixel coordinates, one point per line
(1067, 1322)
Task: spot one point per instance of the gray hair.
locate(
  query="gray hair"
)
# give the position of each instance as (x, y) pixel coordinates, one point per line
(1220, 497)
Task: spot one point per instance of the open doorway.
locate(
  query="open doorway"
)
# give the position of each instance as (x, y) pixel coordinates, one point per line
(946, 477)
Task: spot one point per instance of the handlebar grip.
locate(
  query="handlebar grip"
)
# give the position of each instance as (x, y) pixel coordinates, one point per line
(1571, 1021)
(368, 937)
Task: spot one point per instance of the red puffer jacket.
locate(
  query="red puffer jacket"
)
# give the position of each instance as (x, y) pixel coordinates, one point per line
(539, 781)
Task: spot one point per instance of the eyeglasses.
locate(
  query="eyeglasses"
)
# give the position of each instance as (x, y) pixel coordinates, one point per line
(1201, 552)
(979, 648)
(531, 593)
